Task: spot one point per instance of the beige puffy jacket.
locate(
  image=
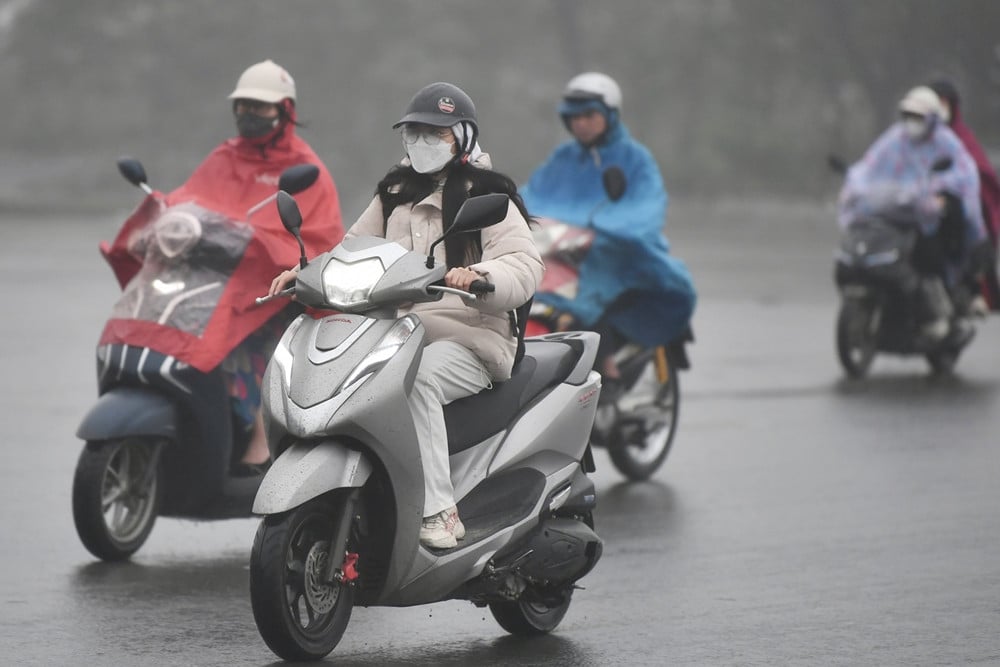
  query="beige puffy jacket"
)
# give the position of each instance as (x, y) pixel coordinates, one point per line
(509, 260)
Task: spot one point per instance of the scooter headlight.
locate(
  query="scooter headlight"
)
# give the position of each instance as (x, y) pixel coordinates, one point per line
(386, 349)
(347, 285)
(884, 257)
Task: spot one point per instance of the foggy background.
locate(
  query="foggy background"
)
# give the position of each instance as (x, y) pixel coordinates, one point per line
(733, 97)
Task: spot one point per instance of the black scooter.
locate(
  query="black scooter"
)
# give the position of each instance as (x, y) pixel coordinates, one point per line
(160, 440)
(884, 297)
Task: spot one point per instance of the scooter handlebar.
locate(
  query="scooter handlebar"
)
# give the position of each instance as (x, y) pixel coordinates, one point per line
(477, 287)
(482, 287)
(285, 293)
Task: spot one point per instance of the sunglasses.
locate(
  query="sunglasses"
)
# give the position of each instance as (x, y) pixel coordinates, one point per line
(432, 136)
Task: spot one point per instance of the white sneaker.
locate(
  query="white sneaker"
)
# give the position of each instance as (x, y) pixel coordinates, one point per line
(978, 307)
(936, 330)
(454, 523)
(442, 530)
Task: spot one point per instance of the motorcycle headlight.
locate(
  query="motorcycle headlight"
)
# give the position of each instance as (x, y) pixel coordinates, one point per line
(386, 349)
(347, 285)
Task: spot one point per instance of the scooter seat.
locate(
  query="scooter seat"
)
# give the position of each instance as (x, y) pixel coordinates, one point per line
(473, 419)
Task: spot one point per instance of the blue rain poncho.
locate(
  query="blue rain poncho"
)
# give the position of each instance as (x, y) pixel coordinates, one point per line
(896, 172)
(629, 253)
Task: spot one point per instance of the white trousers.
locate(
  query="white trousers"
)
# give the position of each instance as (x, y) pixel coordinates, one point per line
(448, 371)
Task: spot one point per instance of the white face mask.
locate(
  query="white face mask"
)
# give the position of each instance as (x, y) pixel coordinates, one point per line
(914, 128)
(428, 159)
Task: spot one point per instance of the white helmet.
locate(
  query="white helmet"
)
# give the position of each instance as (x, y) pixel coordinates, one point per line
(594, 86)
(266, 81)
(922, 101)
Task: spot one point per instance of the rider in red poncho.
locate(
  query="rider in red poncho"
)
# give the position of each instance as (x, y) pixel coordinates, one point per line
(989, 184)
(238, 174)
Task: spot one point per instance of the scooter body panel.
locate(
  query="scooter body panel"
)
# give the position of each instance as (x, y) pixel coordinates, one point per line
(434, 577)
(560, 422)
(372, 412)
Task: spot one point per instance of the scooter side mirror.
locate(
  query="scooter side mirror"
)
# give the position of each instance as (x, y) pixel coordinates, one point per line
(291, 218)
(479, 212)
(475, 213)
(613, 179)
(288, 211)
(298, 177)
(836, 164)
(132, 170)
(942, 164)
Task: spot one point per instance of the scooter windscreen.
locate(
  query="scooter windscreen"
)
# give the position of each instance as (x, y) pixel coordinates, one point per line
(188, 253)
(898, 203)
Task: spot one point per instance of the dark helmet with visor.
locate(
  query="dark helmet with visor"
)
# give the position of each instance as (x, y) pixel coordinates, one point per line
(442, 105)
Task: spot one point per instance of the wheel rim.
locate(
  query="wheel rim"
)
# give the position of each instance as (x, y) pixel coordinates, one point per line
(541, 615)
(128, 490)
(650, 405)
(310, 602)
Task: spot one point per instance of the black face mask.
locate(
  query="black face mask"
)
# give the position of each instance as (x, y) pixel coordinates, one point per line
(252, 126)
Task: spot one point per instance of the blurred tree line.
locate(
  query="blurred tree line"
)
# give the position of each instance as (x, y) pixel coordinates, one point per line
(734, 97)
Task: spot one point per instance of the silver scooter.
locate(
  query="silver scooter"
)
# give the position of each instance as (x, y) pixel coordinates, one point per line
(343, 501)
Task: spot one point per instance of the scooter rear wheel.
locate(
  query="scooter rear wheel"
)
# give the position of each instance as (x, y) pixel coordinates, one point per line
(298, 615)
(647, 422)
(942, 362)
(531, 614)
(116, 496)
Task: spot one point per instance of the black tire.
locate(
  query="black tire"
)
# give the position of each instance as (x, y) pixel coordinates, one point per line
(298, 617)
(531, 615)
(116, 496)
(645, 429)
(942, 362)
(857, 331)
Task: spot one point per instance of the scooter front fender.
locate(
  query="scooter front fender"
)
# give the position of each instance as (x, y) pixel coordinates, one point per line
(129, 411)
(305, 471)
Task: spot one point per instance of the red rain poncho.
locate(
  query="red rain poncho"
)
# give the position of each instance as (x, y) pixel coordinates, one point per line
(237, 175)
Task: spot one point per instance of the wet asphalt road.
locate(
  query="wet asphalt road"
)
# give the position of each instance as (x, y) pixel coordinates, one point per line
(800, 519)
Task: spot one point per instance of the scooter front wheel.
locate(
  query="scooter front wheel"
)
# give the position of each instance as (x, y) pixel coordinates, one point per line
(299, 615)
(857, 330)
(116, 496)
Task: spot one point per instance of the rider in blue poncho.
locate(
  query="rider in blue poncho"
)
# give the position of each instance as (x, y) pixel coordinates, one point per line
(630, 288)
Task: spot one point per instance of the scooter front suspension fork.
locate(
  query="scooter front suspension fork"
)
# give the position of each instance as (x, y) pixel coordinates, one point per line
(339, 558)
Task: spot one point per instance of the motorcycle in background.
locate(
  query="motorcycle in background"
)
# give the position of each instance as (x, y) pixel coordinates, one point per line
(160, 440)
(638, 425)
(342, 502)
(881, 290)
